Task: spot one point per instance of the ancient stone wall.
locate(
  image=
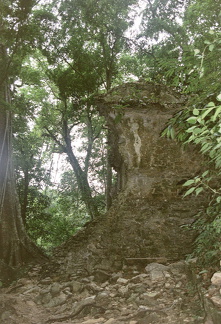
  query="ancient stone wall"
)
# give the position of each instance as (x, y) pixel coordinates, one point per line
(148, 219)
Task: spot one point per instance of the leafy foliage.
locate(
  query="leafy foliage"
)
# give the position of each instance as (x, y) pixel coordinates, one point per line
(194, 66)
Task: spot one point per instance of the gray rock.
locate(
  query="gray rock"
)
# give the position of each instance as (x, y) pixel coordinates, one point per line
(103, 299)
(216, 279)
(94, 287)
(157, 271)
(55, 289)
(137, 288)
(101, 276)
(122, 281)
(46, 298)
(139, 278)
(76, 286)
(46, 281)
(153, 294)
(115, 276)
(178, 268)
(56, 301)
(78, 306)
(146, 300)
(44, 291)
(124, 291)
(156, 266)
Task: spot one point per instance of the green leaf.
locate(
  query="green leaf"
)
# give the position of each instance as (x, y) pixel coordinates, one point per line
(217, 146)
(190, 129)
(197, 130)
(205, 147)
(219, 97)
(196, 51)
(217, 112)
(199, 190)
(188, 182)
(172, 133)
(189, 191)
(211, 47)
(210, 104)
(206, 112)
(196, 112)
(205, 173)
(192, 120)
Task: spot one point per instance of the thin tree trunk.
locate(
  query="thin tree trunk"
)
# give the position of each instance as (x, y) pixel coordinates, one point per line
(109, 174)
(82, 180)
(24, 201)
(81, 176)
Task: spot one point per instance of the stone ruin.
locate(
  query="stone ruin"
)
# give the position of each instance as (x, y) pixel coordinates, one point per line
(149, 217)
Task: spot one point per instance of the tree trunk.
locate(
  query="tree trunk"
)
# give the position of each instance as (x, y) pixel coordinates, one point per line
(15, 246)
(24, 196)
(81, 176)
(109, 174)
(82, 180)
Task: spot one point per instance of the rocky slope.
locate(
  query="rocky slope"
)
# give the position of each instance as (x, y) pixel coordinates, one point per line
(158, 293)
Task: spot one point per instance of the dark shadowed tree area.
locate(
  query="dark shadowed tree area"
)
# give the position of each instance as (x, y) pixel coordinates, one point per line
(15, 245)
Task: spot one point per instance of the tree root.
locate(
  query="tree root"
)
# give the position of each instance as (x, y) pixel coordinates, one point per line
(78, 309)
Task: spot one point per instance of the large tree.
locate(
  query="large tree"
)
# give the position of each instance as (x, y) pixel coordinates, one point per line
(15, 246)
(82, 41)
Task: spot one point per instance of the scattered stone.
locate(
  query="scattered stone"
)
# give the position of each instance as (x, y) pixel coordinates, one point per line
(153, 294)
(139, 278)
(216, 279)
(179, 284)
(167, 285)
(216, 300)
(123, 291)
(157, 271)
(46, 281)
(146, 298)
(76, 287)
(103, 299)
(95, 288)
(115, 276)
(110, 321)
(55, 289)
(122, 281)
(46, 299)
(57, 301)
(101, 276)
(138, 288)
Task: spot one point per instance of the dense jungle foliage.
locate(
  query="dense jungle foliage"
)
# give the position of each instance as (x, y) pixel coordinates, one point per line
(61, 53)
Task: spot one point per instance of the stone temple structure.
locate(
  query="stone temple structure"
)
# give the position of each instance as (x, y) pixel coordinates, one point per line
(149, 216)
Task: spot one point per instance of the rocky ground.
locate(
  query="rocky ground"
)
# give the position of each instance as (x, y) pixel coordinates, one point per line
(156, 293)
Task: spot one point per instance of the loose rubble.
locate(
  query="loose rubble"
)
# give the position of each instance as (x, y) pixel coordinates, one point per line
(158, 294)
(212, 299)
